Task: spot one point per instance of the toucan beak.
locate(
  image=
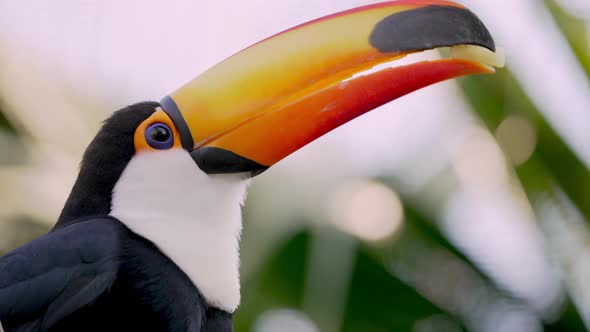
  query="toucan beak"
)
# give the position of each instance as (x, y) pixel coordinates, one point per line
(269, 100)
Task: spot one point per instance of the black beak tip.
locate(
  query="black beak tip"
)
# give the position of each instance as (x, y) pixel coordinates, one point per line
(430, 27)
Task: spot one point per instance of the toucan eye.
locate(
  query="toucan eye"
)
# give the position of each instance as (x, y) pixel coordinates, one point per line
(159, 136)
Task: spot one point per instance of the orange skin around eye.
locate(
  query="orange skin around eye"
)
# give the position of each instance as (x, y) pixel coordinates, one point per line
(160, 116)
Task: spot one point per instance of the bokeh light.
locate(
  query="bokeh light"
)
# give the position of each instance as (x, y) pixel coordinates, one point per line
(366, 209)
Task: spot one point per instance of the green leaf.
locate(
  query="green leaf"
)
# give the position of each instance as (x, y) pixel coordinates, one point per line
(379, 301)
(569, 320)
(575, 31)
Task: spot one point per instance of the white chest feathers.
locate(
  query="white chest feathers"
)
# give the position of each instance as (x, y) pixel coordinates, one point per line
(193, 218)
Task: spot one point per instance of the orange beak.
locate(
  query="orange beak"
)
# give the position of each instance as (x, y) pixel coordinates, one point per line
(269, 100)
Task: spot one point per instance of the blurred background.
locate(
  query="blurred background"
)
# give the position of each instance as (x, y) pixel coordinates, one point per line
(464, 206)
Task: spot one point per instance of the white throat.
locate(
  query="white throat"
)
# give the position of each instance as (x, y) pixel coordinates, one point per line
(193, 218)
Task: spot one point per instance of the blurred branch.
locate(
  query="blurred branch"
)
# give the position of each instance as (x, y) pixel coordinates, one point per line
(428, 228)
(497, 96)
(419, 227)
(4, 124)
(575, 31)
(553, 163)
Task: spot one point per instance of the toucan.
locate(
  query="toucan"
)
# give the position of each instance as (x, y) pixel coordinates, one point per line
(148, 239)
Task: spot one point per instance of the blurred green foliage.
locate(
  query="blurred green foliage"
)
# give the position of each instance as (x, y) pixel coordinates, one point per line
(5, 124)
(376, 300)
(575, 31)
(553, 162)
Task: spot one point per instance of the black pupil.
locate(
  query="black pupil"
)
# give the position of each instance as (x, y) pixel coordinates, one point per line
(159, 134)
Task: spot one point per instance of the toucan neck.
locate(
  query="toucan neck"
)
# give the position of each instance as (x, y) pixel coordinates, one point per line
(92, 191)
(192, 217)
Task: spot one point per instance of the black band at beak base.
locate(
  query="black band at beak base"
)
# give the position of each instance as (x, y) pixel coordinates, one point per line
(210, 160)
(169, 106)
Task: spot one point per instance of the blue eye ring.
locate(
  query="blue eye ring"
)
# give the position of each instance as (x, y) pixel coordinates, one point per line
(159, 136)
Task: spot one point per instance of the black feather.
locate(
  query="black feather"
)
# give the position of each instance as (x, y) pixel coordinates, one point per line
(103, 162)
(97, 275)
